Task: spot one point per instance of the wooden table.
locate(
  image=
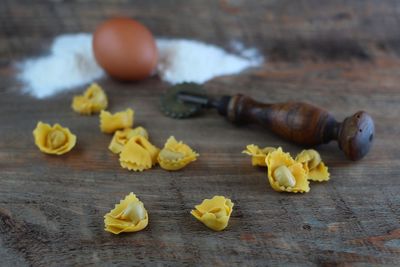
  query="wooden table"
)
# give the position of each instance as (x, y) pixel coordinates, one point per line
(341, 55)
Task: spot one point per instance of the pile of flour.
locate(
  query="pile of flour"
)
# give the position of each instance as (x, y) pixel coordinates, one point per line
(71, 63)
(193, 61)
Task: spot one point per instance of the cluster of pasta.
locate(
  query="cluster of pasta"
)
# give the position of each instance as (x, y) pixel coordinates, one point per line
(130, 215)
(286, 174)
(135, 151)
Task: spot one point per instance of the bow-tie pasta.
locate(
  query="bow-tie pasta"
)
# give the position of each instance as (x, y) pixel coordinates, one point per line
(312, 163)
(175, 155)
(285, 174)
(214, 213)
(93, 100)
(257, 154)
(127, 216)
(109, 123)
(138, 154)
(120, 138)
(53, 139)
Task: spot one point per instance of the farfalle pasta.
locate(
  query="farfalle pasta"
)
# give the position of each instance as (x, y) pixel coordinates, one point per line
(127, 216)
(285, 174)
(138, 154)
(214, 213)
(121, 137)
(109, 123)
(312, 163)
(93, 100)
(54, 139)
(175, 155)
(258, 154)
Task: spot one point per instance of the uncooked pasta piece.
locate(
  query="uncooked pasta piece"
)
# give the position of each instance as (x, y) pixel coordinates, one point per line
(175, 155)
(312, 163)
(214, 213)
(121, 137)
(138, 154)
(53, 139)
(93, 100)
(127, 216)
(109, 123)
(257, 154)
(285, 174)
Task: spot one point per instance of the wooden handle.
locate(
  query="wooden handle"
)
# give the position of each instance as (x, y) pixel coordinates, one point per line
(306, 124)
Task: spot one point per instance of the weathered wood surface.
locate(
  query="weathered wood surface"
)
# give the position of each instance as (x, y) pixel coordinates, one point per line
(341, 55)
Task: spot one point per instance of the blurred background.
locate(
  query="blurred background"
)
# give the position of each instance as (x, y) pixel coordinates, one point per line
(282, 30)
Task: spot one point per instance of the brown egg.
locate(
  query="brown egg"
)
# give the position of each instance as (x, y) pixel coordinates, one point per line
(125, 49)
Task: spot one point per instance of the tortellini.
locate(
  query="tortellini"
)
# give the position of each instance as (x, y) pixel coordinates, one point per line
(257, 154)
(285, 174)
(138, 154)
(93, 100)
(175, 155)
(214, 213)
(121, 137)
(53, 139)
(109, 123)
(312, 163)
(127, 216)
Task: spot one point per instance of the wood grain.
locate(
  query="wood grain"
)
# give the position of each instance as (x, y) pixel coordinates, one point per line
(341, 55)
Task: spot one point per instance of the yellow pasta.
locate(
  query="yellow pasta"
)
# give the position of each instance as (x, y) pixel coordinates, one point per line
(214, 213)
(175, 155)
(109, 123)
(93, 100)
(127, 216)
(121, 137)
(138, 154)
(257, 154)
(285, 174)
(53, 139)
(312, 163)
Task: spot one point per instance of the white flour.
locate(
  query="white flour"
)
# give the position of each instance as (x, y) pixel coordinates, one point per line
(193, 61)
(71, 63)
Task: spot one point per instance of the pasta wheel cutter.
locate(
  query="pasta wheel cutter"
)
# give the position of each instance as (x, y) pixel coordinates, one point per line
(299, 122)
